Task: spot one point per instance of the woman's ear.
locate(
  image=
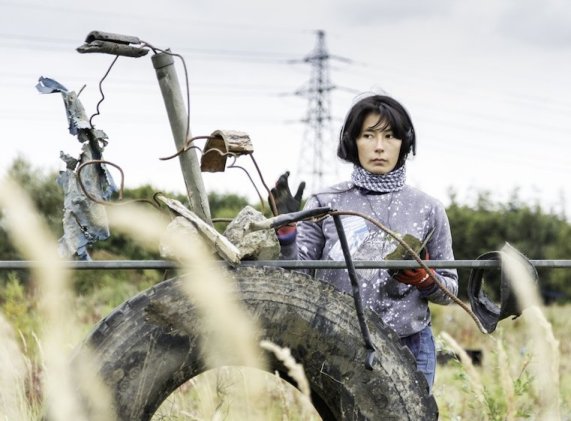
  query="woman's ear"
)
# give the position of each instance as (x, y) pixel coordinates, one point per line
(409, 142)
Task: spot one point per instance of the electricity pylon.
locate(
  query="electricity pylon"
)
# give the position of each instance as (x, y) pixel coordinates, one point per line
(318, 146)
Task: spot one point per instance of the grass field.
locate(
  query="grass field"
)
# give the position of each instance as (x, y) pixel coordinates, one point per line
(525, 371)
(500, 388)
(504, 386)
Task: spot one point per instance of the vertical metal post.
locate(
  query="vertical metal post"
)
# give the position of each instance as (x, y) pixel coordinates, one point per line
(356, 292)
(178, 118)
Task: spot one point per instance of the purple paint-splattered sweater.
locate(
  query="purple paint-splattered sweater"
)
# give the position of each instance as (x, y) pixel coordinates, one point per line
(408, 211)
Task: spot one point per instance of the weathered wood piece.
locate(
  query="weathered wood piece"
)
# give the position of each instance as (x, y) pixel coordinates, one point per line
(221, 245)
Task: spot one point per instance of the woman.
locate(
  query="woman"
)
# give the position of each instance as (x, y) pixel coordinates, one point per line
(376, 138)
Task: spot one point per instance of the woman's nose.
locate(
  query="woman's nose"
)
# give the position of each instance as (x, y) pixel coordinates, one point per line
(379, 144)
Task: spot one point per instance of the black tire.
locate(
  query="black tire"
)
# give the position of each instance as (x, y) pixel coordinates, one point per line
(147, 348)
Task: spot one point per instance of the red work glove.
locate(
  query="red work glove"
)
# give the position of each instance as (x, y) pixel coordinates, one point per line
(416, 277)
(286, 235)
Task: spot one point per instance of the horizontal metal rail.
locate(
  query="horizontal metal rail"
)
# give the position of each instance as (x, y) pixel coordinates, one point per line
(288, 264)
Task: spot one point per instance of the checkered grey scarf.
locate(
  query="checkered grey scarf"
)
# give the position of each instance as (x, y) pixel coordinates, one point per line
(379, 183)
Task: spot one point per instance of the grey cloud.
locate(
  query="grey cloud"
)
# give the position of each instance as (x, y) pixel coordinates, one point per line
(544, 23)
(367, 11)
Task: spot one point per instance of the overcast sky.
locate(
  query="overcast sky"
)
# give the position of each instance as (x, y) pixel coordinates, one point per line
(486, 83)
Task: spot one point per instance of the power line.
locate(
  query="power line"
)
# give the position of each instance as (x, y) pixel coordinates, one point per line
(219, 25)
(47, 43)
(122, 84)
(445, 84)
(43, 43)
(33, 38)
(307, 91)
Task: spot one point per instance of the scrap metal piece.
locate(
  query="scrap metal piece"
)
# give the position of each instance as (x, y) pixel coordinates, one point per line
(110, 43)
(112, 48)
(84, 221)
(221, 144)
(112, 37)
(401, 253)
(488, 312)
(73, 107)
(285, 219)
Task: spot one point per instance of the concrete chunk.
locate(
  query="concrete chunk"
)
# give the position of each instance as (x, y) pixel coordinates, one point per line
(257, 245)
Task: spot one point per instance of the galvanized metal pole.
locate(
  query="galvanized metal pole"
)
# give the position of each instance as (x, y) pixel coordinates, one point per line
(287, 264)
(178, 118)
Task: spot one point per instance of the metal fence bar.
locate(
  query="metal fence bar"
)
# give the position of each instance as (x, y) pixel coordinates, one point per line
(287, 264)
(398, 264)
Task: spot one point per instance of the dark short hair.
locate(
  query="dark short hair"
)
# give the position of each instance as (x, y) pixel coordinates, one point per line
(391, 113)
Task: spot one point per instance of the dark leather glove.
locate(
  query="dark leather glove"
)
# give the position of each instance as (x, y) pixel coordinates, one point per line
(285, 202)
(416, 277)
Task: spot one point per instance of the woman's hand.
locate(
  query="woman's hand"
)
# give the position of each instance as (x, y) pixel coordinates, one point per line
(285, 202)
(419, 278)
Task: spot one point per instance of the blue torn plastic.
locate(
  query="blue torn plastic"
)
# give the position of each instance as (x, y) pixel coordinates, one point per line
(84, 220)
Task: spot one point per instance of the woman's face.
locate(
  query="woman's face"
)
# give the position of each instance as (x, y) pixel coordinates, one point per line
(378, 149)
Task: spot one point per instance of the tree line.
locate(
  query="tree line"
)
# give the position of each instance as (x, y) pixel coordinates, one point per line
(476, 229)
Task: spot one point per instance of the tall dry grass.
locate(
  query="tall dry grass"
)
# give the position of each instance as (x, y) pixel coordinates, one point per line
(223, 393)
(14, 376)
(526, 373)
(521, 371)
(230, 337)
(544, 347)
(59, 330)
